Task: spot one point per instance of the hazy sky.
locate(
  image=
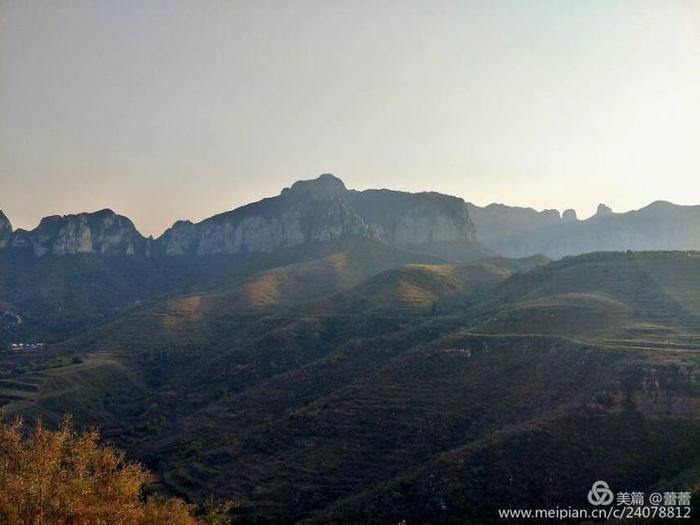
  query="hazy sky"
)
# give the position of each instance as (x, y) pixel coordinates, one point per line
(180, 109)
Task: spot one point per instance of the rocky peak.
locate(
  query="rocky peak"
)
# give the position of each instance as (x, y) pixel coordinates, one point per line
(100, 232)
(569, 215)
(325, 186)
(5, 230)
(603, 210)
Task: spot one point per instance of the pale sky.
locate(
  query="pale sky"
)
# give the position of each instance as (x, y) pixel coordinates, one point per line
(163, 110)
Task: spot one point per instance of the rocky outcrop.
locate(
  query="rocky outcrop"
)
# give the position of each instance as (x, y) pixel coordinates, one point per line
(5, 230)
(322, 210)
(657, 392)
(102, 232)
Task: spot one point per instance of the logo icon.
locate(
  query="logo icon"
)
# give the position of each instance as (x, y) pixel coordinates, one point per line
(600, 494)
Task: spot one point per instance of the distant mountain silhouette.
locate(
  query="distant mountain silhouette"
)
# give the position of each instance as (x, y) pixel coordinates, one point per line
(518, 232)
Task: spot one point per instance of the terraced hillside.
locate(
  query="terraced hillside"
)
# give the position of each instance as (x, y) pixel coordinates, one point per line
(338, 391)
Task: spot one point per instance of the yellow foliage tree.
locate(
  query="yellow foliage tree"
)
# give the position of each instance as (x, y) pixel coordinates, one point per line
(63, 477)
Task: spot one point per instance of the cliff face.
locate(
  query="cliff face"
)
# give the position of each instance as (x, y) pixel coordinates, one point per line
(409, 219)
(322, 210)
(5, 230)
(265, 228)
(306, 220)
(102, 232)
(312, 210)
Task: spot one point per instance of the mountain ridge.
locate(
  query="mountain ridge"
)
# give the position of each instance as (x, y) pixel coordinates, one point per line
(323, 209)
(320, 209)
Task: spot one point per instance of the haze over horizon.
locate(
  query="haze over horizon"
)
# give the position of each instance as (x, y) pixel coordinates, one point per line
(171, 111)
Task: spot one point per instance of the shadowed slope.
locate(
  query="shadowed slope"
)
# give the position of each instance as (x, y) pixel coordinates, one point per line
(309, 409)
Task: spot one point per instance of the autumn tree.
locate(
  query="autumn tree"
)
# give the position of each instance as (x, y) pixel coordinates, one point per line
(63, 477)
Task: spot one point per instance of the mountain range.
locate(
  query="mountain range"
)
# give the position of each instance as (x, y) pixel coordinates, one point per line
(324, 209)
(340, 356)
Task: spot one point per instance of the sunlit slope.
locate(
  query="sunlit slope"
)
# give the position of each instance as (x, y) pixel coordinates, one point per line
(417, 289)
(296, 283)
(424, 289)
